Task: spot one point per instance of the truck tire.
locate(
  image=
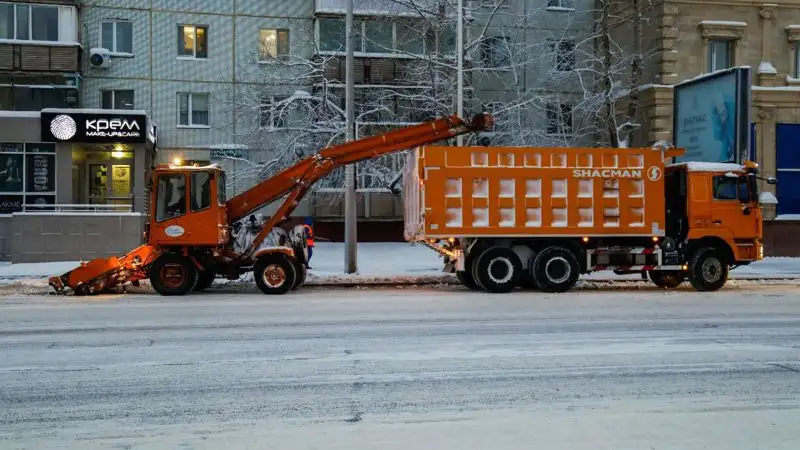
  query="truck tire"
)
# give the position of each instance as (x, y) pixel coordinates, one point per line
(466, 279)
(274, 274)
(667, 279)
(173, 274)
(555, 269)
(497, 270)
(708, 270)
(205, 279)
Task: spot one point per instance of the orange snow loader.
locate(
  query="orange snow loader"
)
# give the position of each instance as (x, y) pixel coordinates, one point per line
(526, 217)
(195, 234)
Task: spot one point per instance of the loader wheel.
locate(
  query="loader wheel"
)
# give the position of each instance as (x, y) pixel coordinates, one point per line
(274, 274)
(301, 272)
(555, 269)
(466, 279)
(205, 279)
(708, 270)
(667, 279)
(173, 274)
(497, 270)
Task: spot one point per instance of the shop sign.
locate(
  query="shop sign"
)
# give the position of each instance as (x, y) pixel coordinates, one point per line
(93, 127)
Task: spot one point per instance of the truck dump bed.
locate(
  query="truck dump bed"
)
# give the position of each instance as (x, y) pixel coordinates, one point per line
(533, 191)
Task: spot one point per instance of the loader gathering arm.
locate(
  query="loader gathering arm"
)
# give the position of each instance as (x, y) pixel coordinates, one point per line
(297, 179)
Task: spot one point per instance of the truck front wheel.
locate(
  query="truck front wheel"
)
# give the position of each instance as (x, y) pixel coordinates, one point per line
(497, 270)
(173, 274)
(708, 270)
(667, 279)
(555, 269)
(274, 274)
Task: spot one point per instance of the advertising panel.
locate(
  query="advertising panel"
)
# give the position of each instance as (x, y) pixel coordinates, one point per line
(712, 116)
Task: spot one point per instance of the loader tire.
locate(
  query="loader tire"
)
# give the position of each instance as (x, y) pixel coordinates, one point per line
(205, 279)
(466, 280)
(274, 274)
(555, 269)
(667, 279)
(301, 272)
(498, 269)
(708, 270)
(173, 274)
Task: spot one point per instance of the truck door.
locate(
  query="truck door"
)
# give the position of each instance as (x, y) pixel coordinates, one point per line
(734, 212)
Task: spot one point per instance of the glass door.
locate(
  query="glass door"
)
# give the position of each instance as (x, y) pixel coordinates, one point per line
(98, 184)
(110, 182)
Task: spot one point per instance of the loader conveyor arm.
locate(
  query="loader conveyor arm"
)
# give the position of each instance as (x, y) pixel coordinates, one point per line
(314, 167)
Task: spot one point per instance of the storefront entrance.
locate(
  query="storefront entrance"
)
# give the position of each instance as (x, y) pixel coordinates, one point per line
(102, 177)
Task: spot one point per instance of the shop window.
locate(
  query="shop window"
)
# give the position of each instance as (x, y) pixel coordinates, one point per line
(272, 43)
(201, 191)
(193, 41)
(171, 200)
(117, 36)
(35, 185)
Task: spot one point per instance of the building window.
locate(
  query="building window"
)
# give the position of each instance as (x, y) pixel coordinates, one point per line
(564, 52)
(117, 99)
(193, 41)
(272, 43)
(559, 119)
(117, 36)
(797, 59)
(379, 36)
(26, 22)
(495, 51)
(331, 34)
(560, 4)
(720, 54)
(271, 115)
(193, 110)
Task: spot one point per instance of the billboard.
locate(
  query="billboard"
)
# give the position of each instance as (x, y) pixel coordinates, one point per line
(711, 116)
(93, 128)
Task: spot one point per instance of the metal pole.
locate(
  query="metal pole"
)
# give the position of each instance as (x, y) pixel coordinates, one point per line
(350, 218)
(460, 69)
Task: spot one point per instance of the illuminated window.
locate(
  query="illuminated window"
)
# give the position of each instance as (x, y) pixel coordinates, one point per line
(272, 43)
(193, 41)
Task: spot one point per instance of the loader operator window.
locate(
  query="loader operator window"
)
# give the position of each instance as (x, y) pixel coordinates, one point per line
(201, 191)
(171, 200)
(727, 188)
(221, 188)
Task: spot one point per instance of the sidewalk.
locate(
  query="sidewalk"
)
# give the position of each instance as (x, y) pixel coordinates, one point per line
(392, 263)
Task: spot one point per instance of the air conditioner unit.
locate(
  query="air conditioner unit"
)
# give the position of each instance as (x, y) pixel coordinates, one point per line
(99, 58)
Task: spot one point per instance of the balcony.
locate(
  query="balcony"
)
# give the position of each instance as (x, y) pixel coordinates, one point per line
(382, 71)
(373, 7)
(39, 58)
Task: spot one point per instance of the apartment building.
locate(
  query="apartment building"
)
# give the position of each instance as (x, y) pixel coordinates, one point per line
(695, 38)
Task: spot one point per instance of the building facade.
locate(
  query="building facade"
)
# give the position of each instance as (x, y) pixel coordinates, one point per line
(698, 37)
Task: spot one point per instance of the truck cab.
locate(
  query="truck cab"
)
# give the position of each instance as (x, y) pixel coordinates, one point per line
(715, 205)
(183, 201)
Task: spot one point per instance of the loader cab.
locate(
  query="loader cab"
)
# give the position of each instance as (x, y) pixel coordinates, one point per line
(187, 207)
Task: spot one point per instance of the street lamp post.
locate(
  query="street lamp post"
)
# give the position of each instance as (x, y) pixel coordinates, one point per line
(350, 211)
(460, 68)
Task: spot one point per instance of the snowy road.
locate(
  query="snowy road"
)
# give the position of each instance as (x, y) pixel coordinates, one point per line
(404, 369)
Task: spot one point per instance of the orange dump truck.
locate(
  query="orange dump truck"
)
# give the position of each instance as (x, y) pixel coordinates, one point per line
(509, 217)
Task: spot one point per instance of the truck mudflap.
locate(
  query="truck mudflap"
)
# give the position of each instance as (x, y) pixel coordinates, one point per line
(104, 274)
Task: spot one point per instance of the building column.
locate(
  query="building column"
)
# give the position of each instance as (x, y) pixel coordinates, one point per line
(64, 173)
(139, 169)
(669, 39)
(767, 75)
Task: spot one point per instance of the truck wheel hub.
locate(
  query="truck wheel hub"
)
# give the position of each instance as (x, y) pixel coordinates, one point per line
(712, 269)
(557, 270)
(500, 270)
(274, 276)
(172, 275)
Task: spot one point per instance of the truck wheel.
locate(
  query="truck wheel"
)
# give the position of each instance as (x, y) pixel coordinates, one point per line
(301, 272)
(205, 279)
(667, 279)
(274, 274)
(708, 270)
(173, 274)
(466, 279)
(497, 270)
(555, 269)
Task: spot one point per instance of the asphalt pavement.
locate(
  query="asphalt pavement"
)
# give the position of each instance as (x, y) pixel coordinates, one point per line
(403, 369)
